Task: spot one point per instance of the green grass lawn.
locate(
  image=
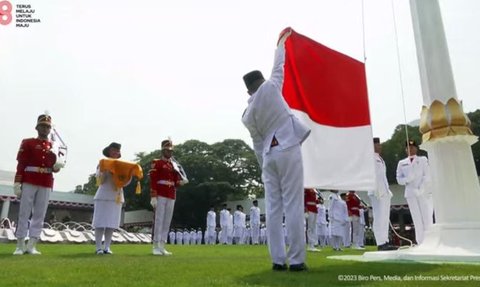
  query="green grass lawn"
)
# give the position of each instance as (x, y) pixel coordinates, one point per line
(133, 265)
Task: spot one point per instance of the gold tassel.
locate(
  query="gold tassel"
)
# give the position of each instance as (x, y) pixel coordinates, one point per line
(138, 189)
(118, 198)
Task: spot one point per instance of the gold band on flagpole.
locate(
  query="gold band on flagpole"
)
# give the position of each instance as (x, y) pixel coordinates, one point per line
(439, 120)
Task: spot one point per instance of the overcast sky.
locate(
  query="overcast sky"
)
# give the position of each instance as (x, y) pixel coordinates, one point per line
(138, 72)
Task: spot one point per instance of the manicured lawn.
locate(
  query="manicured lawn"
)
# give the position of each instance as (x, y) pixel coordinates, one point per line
(133, 265)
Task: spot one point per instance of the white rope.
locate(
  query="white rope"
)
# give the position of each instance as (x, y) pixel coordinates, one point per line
(400, 71)
(363, 32)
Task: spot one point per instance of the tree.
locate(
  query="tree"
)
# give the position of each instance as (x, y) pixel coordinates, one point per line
(475, 127)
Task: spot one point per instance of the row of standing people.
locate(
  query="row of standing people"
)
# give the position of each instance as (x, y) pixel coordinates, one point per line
(234, 225)
(193, 237)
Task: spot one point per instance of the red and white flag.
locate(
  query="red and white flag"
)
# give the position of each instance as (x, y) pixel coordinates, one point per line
(327, 90)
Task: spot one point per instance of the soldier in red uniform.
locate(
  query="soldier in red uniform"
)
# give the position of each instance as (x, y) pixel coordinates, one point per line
(33, 184)
(311, 201)
(354, 205)
(165, 176)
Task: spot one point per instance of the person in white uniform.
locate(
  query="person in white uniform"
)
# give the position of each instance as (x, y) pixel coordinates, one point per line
(413, 172)
(210, 234)
(199, 236)
(322, 228)
(361, 231)
(255, 222)
(239, 225)
(107, 204)
(347, 235)
(230, 227)
(380, 199)
(171, 236)
(338, 215)
(179, 237)
(277, 135)
(224, 217)
(186, 237)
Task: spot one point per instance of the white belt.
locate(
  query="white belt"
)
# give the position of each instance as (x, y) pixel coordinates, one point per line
(311, 203)
(38, 169)
(166, 182)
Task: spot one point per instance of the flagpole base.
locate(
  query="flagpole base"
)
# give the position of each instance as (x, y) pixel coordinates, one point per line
(443, 243)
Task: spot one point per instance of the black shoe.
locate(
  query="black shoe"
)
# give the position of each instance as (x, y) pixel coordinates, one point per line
(279, 267)
(386, 247)
(298, 267)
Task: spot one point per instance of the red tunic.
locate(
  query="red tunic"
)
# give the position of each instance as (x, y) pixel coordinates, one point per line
(311, 200)
(163, 179)
(353, 204)
(36, 156)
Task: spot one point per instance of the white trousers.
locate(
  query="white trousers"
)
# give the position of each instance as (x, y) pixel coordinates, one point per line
(361, 236)
(255, 233)
(210, 235)
(312, 229)
(381, 218)
(34, 202)
(224, 234)
(163, 218)
(347, 234)
(282, 175)
(421, 209)
(355, 229)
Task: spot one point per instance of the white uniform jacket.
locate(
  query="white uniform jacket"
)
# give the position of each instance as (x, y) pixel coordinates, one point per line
(255, 215)
(382, 188)
(268, 114)
(211, 219)
(414, 175)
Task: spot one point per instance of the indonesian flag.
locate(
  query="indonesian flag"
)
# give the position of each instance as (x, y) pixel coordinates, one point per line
(328, 92)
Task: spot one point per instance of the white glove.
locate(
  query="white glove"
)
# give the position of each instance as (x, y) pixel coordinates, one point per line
(153, 202)
(17, 189)
(183, 181)
(58, 165)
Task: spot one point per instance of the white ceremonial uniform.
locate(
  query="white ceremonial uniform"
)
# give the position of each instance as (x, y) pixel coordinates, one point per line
(263, 235)
(186, 238)
(322, 228)
(361, 231)
(239, 227)
(199, 237)
(179, 238)
(210, 234)
(268, 116)
(380, 199)
(193, 237)
(338, 213)
(230, 229)
(415, 175)
(171, 237)
(224, 217)
(255, 223)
